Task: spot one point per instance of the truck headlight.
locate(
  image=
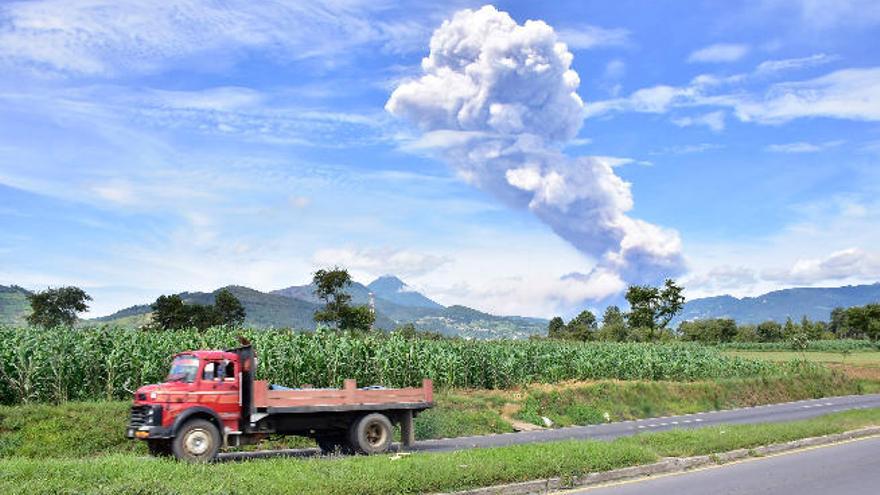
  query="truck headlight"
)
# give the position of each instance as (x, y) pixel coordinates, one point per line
(153, 395)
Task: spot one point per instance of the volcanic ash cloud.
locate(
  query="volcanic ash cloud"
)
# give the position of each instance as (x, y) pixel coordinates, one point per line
(499, 100)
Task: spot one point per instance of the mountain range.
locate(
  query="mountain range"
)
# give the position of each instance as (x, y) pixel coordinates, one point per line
(397, 303)
(815, 303)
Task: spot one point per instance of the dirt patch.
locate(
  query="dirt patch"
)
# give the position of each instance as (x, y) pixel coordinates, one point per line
(871, 373)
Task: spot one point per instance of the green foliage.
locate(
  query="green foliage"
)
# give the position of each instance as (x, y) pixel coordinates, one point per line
(708, 331)
(172, 313)
(769, 331)
(841, 345)
(330, 285)
(229, 310)
(654, 307)
(102, 362)
(582, 327)
(56, 307)
(556, 328)
(856, 322)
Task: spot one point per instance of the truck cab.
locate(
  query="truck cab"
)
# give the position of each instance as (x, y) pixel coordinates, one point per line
(210, 400)
(203, 385)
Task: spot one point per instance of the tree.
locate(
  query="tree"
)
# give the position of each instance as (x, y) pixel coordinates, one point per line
(330, 288)
(55, 307)
(582, 327)
(172, 313)
(653, 308)
(613, 325)
(709, 330)
(357, 318)
(169, 312)
(556, 328)
(769, 331)
(228, 309)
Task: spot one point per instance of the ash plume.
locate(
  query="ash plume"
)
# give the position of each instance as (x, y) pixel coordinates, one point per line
(499, 101)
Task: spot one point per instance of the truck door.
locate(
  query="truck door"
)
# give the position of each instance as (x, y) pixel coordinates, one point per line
(220, 389)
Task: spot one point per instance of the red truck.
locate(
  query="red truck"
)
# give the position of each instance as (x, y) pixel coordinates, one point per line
(210, 400)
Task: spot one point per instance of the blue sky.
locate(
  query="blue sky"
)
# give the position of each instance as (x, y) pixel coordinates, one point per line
(186, 145)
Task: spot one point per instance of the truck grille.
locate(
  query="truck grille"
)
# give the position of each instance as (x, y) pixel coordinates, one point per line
(139, 415)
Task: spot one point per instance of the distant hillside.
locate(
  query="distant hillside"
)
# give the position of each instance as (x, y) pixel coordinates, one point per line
(814, 302)
(395, 302)
(14, 306)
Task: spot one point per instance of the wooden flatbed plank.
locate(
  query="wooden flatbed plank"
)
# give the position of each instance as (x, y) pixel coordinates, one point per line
(389, 406)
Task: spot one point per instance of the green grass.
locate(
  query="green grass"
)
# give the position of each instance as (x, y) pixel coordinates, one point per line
(859, 358)
(416, 473)
(591, 403)
(84, 429)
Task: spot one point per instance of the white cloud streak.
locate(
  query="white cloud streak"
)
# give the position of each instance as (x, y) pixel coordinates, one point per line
(113, 37)
(719, 53)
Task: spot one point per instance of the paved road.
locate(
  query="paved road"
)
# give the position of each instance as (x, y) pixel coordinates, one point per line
(773, 413)
(851, 468)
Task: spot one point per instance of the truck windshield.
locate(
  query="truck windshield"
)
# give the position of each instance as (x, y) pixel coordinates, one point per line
(184, 369)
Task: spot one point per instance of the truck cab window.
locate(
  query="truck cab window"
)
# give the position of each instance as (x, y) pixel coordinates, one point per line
(184, 369)
(210, 372)
(229, 372)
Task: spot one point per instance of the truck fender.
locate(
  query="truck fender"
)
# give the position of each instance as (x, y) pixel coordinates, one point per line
(197, 411)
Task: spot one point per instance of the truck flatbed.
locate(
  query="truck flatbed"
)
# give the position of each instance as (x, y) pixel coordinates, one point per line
(347, 398)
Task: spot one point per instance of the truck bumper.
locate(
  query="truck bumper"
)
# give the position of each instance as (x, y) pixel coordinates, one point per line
(147, 432)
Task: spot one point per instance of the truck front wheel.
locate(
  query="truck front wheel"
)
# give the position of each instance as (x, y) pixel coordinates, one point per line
(371, 434)
(196, 441)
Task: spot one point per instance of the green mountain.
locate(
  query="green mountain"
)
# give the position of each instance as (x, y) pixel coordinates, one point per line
(815, 303)
(395, 305)
(14, 305)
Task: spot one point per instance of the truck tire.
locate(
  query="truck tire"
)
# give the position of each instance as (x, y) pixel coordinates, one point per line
(371, 434)
(159, 448)
(196, 441)
(333, 443)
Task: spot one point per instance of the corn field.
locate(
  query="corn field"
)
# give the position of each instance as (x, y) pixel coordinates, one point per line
(96, 363)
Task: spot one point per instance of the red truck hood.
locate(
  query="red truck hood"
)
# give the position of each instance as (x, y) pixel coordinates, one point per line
(143, 393)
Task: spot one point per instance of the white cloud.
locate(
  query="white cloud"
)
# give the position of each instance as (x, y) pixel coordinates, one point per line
(802, 147)
(852, 94)
(712, 120)
(831, 242)
(686, 149)
(587, 36)
(514, 85)
(380, 261)
(839, 265)
(720, 52)
(829, 14)
(773, 66)
(110, 37)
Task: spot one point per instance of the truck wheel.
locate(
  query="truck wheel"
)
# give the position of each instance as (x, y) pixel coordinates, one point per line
(159, 448)
(333, 444)
(196, 441)
(371, 434)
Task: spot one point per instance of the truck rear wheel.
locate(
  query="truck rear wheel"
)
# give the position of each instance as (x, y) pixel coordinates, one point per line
(159, 448)
(371, 434)
(196, 441)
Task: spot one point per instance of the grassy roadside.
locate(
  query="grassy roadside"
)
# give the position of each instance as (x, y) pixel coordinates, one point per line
(84, 429)
(417, 473)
